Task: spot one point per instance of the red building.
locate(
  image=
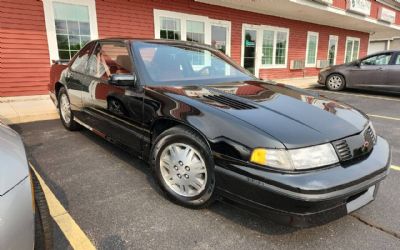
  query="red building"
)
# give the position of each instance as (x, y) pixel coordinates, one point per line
(274, 39)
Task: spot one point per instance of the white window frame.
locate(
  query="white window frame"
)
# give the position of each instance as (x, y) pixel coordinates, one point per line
(312, 65)
(275, 30)
(336, 47)
(51, 26)
(183, 17)
(350, 38)
(259, 44)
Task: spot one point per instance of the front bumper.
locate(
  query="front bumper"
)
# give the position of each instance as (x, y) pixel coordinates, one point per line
(322, 77)
(306, 198)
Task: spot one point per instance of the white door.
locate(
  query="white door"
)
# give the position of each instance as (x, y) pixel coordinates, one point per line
(250, 60)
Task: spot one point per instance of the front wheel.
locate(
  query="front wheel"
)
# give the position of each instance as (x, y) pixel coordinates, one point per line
(184, 168)
(43, 220)
(335, 82)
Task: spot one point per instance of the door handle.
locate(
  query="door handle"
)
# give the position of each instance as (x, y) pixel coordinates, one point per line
(381, 68)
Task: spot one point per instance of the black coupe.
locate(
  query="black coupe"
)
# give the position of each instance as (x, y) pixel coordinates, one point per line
(209, 129)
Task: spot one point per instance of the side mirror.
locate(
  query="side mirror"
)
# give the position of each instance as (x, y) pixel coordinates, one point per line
(122, 79)
(357, 63)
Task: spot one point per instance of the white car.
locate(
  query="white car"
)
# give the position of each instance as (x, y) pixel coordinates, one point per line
(25, 221)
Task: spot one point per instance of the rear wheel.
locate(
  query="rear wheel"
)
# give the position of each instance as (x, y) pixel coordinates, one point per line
(335, 82)
(66, 115)
(43, 220)
(183, 167)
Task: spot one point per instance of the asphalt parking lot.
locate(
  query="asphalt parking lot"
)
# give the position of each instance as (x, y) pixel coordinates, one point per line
(114, 200)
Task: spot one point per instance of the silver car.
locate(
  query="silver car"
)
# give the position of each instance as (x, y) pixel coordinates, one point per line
(25, 221)
(380, 71)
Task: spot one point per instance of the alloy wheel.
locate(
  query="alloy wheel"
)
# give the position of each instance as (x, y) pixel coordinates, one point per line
(335, 82)
(65, 108)
(183, 169)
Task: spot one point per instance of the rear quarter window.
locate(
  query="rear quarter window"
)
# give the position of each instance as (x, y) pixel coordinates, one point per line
(80, 61)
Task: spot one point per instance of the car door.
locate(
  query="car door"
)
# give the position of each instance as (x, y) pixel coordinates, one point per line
(75, 76)
(114, 111)
(393, 74)
(371, 72)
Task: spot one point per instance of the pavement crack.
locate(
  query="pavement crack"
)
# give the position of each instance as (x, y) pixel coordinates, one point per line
(387, 231)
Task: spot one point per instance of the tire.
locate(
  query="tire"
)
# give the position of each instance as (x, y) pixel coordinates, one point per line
(335, 82)
(43, 220)
(66, 114)
(195, 169)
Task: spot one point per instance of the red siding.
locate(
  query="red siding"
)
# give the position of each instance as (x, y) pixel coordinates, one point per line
(124, 24)
(340, 4)
(24, 57)
(24, 60)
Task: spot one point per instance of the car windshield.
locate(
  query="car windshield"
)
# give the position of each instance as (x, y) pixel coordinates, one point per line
(179, 64)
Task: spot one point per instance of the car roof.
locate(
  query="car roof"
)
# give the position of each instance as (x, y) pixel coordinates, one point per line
(152, 40)
(384, 52)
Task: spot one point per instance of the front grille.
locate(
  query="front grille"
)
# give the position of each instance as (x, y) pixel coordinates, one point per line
(230, 102)
(356, 146)
(343, 150)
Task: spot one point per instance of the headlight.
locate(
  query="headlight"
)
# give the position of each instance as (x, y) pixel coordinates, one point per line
(296, 159)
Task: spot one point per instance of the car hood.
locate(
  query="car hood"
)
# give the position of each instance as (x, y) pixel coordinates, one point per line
(13, 162)
(295, 117)
(339, 66)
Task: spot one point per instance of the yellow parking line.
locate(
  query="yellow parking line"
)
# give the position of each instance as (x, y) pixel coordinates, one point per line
(395, 167)
(360, 95)
(74, 234)
(385, 117)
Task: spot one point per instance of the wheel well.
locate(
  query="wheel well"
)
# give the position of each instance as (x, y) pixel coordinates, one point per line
(336, 73)
(57, 88)
(162, 125)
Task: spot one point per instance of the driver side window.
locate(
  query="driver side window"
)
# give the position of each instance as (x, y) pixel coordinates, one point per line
(398, 60)
(109, 59)
(80, 61)
(377, 60)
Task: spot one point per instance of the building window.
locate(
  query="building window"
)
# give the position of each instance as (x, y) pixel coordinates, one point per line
(195, 31)
(72, 28)
(274, 47)
(268, 47)
(70, 24)
(280, 52)
(352, 49)
(219, 37)
(312, 49)
(170, 28)
(264, 47)
(200, 29)
(332, 49)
